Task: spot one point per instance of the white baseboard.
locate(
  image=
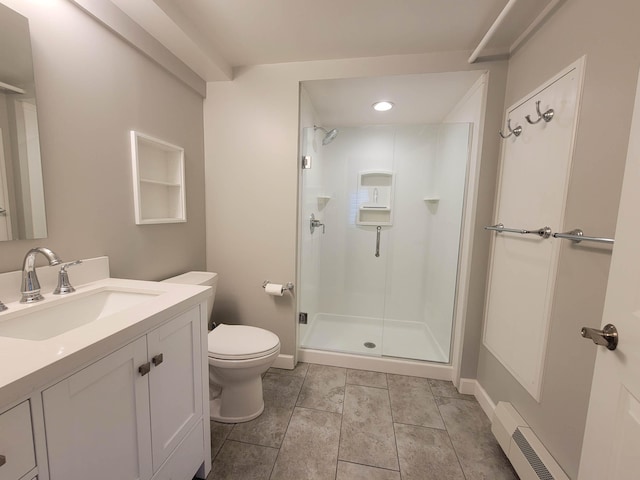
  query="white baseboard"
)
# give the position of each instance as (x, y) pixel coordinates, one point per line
(470, 386)
(284, 361)
(484, 400)
(467, 386)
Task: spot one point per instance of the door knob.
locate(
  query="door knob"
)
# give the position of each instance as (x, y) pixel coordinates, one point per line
(607, 337)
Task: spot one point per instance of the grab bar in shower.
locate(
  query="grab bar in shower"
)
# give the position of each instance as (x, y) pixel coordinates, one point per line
(577, 236)
(378, 228)
(543, 232)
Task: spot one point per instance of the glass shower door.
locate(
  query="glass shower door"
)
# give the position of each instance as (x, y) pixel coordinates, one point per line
(342, 280)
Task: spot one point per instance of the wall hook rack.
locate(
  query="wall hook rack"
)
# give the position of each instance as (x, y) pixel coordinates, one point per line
(546, 116)
(512, 131)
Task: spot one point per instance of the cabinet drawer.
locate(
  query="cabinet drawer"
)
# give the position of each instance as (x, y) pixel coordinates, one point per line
(16, 442)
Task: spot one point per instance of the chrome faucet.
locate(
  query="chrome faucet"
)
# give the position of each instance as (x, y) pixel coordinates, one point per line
(30, 284)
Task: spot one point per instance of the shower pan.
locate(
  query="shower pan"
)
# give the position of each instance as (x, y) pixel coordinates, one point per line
(379, 278)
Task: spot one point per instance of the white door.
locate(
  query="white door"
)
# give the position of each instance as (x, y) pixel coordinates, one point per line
(175, 382)
(611, 448)
(97, 420)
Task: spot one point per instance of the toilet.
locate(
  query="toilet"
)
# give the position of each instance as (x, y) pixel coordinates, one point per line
(238, 356)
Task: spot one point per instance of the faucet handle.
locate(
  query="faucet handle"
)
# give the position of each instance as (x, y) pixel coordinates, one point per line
(64, 286)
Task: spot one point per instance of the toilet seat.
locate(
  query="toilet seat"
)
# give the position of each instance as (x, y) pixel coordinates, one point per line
(241, 342)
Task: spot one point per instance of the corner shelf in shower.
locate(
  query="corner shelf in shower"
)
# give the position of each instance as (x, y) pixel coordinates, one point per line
(431, 199)
(323, 199)
(158, 180)
(375, 193)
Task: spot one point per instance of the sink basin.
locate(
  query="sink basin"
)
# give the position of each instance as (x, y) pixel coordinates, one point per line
(42, 322)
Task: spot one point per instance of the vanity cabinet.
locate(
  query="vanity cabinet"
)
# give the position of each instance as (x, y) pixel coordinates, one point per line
(17, 455)
(135, 414)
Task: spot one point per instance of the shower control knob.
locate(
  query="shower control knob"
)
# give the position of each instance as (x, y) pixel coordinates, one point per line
(313, 224)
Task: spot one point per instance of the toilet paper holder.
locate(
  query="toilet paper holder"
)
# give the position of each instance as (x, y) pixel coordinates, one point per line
(287, 286)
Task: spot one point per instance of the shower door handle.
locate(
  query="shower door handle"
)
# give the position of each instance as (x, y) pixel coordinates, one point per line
(378, 241)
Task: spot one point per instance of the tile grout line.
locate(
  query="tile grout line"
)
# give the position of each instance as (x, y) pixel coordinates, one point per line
(393, 425)
(344, 398)
(453, 447)
(289, 422)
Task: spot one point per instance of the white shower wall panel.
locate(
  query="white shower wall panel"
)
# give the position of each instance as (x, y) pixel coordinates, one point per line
(407, 262)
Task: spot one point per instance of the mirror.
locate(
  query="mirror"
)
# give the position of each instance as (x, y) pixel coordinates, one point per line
(22, 210)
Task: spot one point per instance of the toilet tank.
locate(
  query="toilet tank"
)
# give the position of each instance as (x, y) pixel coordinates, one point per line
(206, 279)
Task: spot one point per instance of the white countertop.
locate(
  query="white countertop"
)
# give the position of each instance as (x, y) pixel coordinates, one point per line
(27, 365)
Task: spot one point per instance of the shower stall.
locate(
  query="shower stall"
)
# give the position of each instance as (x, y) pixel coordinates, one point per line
(381, 210)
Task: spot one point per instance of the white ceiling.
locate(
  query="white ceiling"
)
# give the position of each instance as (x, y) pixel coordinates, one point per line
(213, 37)
(417, 99)
(250, 32)
(232, 33)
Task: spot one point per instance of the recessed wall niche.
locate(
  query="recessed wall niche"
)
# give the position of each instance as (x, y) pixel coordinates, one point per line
(158, 180)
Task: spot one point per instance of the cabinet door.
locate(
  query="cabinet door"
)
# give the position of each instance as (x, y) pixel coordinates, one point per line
(175, 384)
(16, 442)
(97, 420)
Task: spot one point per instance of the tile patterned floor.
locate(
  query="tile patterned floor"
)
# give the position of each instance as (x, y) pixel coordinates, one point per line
(330, 423)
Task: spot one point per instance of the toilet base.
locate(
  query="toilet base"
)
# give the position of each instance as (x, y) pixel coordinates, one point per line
(214, 406)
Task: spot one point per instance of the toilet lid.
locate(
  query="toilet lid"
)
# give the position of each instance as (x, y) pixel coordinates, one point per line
(240, 342)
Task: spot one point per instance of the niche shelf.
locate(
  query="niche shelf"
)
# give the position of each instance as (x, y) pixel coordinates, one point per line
(158, 180)
(375, 191)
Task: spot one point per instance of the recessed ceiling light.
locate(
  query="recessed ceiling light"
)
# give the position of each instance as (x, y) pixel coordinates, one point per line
(382, 106)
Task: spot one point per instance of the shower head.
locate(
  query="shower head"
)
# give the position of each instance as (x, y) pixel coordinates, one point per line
(329, 135)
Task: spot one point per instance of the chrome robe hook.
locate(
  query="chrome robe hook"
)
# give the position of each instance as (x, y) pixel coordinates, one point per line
(546, 116)
(512, 131)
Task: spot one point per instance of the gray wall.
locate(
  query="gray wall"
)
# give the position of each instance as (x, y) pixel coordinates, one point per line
(92, 89)
(608, 34)
(251, 138)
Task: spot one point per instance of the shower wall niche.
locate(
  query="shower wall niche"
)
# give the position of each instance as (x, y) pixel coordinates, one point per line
(375, 194)
(400, 302)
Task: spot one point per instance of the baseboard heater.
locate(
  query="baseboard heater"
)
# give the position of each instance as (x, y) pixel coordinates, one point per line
(527, 454)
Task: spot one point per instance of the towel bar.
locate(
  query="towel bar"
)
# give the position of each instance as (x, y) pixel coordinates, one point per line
(543, 232)
(577, 236)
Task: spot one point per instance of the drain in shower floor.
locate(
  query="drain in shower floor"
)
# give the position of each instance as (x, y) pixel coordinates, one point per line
(369, 344)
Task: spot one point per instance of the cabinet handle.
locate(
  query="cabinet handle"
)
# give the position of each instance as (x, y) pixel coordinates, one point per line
(3, 460)
(158, 359)
(144, 368)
